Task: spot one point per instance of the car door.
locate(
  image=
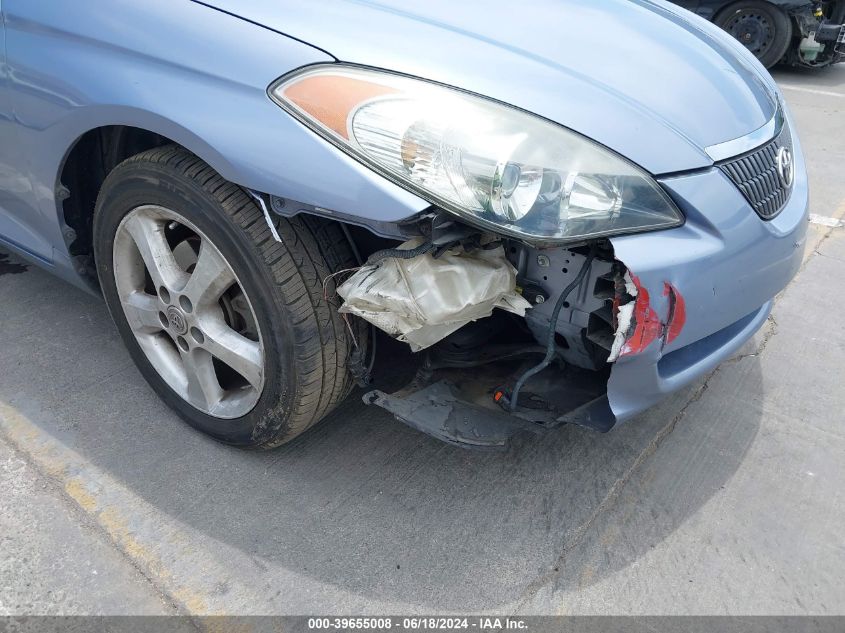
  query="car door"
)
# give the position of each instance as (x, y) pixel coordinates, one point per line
(17, 200)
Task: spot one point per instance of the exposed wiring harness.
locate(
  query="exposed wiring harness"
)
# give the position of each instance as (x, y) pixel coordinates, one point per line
(400, 253)
(550, 340)
(366, 375)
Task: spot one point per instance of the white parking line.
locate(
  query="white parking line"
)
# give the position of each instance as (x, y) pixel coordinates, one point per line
(825, 221)
(812, 91)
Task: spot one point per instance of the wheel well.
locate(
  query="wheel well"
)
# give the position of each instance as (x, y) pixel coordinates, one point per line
(95, 154)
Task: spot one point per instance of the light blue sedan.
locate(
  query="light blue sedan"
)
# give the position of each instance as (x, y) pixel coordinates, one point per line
(566, 212)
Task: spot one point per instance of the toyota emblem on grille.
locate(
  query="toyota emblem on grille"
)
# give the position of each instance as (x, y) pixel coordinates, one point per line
(786, 167)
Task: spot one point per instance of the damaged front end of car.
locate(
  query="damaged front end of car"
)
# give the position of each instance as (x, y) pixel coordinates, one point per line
(508, 338)
(508, 290)
(819, 31)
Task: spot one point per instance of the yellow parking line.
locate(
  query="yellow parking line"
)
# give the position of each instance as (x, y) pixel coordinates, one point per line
(145, 537)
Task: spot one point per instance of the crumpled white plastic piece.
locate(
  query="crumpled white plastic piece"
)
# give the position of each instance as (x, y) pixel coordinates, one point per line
(422, 300)
(623, 319)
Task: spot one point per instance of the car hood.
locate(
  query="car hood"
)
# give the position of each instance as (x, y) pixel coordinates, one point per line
(647, 79)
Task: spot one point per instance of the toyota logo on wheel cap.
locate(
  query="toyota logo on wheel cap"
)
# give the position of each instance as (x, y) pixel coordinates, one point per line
(177, 320)
(785, 167)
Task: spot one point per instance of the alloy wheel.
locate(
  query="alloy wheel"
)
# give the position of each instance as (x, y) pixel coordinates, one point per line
(188, 312)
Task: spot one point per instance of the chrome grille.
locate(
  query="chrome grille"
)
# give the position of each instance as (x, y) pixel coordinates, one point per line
(756, 176)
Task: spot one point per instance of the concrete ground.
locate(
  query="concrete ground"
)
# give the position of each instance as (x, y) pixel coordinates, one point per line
(727, 498)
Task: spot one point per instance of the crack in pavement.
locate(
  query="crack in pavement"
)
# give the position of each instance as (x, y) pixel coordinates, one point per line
(771, 329)
(611, 496)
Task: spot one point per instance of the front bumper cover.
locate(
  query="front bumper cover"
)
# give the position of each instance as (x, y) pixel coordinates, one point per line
(726, 267)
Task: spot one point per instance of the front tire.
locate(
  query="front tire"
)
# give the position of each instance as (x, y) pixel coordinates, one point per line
(230, 327)
(761, 27)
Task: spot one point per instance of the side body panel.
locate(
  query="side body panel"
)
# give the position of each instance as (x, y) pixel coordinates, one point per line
(188, 72)
(16, 194)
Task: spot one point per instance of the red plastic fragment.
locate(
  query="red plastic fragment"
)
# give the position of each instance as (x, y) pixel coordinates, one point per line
(677, 312)
(647, 325)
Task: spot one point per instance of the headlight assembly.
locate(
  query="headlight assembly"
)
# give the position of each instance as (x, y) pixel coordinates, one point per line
(494, 165)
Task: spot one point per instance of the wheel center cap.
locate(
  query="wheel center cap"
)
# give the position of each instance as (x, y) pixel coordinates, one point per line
(177, 320)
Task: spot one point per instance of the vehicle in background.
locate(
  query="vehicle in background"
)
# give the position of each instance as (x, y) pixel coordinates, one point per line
(793, 32)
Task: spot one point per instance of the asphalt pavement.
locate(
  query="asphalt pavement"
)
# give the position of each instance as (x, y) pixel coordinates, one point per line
(725, 499)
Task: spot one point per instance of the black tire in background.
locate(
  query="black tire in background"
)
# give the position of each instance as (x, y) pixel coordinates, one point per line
(306, 342)
(763, 28)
